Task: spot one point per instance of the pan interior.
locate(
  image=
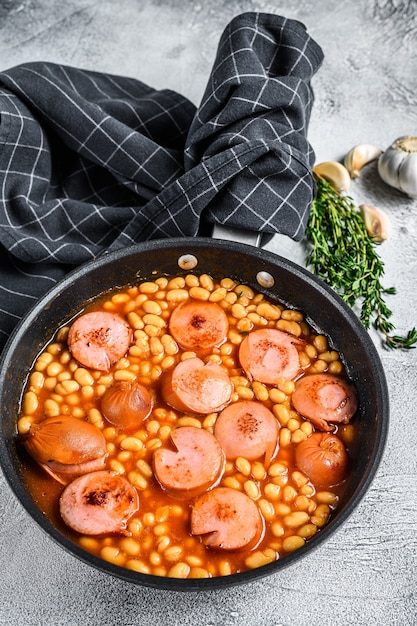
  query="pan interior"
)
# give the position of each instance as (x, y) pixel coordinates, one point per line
(292, 286)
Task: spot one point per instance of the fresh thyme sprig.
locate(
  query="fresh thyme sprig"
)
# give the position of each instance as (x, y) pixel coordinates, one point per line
(344, 255)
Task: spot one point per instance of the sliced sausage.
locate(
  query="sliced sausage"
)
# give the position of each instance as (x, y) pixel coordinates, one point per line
(98, 503)
(247, 429)
(197, 387)
(324, 398)
(268, 354)
(195, 464)
(126, 404)
(323, 458)
(198, 325)
(65, 439)
(99, 339)
(227, 519)
(64, 474)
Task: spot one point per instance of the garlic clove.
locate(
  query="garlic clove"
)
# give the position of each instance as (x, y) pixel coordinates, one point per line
(376, 222)
(359, 156)
(336, 174)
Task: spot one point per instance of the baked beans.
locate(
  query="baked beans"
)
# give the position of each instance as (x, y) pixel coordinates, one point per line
(158, 538)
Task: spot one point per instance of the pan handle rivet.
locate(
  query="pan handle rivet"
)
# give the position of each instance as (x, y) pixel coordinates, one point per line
(187, 261)
(265, 279)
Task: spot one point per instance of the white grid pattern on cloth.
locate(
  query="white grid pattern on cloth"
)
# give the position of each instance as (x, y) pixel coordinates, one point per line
(91, 162)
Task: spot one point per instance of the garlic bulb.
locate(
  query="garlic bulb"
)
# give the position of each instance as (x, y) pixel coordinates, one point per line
(359, 156)
(376, 222)
(336, 174)
(397, 166)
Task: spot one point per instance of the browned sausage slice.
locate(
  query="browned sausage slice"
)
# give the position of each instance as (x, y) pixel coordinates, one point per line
(98, 503)
(227, 519)
(268, 354)
(99, 339)
(195, 465)
(197, 387)
(247, 429)
(324, 398)
(198, 325)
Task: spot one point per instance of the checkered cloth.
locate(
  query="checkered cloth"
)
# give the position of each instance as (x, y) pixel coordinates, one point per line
(91, 162)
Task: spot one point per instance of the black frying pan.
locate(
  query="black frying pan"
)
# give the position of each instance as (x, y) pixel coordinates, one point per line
(293, 286)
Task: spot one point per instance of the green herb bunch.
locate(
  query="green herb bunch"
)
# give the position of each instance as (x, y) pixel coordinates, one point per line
(345, 257)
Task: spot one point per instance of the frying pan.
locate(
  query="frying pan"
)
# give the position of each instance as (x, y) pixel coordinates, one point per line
(292, 286)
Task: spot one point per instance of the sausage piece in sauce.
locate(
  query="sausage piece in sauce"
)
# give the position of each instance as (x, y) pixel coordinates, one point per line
(247, 429)
(198, 325)
(99, 339)
(226, 519)
(197, 387)
(325, 399)
(98, 503)
(268, 354)
(194, 465)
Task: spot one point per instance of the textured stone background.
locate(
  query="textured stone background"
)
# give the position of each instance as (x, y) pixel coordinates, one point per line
(366, 574)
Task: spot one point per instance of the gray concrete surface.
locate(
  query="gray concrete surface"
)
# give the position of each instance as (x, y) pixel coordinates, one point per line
(366, 574)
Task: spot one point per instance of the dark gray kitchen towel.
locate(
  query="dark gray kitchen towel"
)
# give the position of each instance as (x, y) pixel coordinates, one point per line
(91, 162)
